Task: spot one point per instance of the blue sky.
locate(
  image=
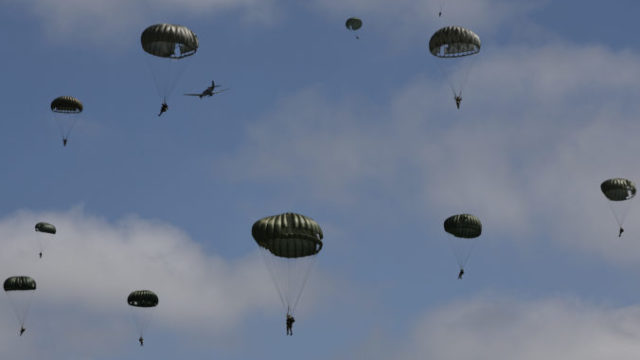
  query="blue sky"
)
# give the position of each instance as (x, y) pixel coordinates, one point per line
(362, 136)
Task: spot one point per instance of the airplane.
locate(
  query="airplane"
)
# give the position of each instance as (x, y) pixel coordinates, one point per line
(208, 91)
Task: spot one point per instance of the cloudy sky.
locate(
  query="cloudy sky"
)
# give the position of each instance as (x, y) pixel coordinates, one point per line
(361, 135)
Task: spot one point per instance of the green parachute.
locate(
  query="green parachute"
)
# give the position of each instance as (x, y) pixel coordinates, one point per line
(19, 290)
(142, 298)
(353, 24)
(619, 191)
(453, 46)
(44, 228)
(169, 45)
(143, 303)
(290, 243)
(464, 228)
(66, 110)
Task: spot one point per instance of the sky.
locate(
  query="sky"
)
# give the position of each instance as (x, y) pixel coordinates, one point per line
(363, 136)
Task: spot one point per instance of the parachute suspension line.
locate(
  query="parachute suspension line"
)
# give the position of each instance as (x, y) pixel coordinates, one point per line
(166, 73)
(271, 266)
(141, 318)
(304, 280)
(73, 123)
(180, 70)
(457, 84)
(21, 305)
(155, 77)
(464, 262)
(461, 249)
(620, 209)
(448, 76)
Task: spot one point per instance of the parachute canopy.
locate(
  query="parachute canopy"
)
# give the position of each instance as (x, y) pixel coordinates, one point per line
(288, 235)
(66, 104)
(169, 41)
(454, 41)
(353, 23)
(142, 298)
(463, 226)
(19, 283)
(618, 189)
(45, 227)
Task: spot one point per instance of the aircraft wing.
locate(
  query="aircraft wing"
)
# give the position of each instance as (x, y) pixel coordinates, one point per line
(192, 94)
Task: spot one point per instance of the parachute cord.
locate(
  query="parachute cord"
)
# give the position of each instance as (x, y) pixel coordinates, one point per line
(265, 255)
(73, 123)
(60, 127)
(21, 311)
(180, 71)
(304, 281)
(153, 75)
(448, 76)
(458, 250)
(623, 209)
(473, 245)
(170, 70)
(464, 68)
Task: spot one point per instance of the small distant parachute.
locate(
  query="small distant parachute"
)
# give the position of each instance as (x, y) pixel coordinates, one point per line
(143, 302)
(619, 191)
(45, 228)
(353, 24)
(142, 298)
(66, 110)
(20, 291)
(290, 242)
(169, 45)
(465, 228)
(452, 45)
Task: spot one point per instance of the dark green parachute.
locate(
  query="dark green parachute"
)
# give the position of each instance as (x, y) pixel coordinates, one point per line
(353, 23)
(453, 45)
(169, 46)
(454, 41)
(45, 228)
(290, 243)
(618, 189)
(20, 290)
(288, 235)
(19, 283)
(169, 41)
(143, 304)
(66, 104)
(66, 111)
(463, 226)
(143, 298)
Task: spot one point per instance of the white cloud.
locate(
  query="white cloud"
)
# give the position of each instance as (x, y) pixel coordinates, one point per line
(90, 266)
(499, 328)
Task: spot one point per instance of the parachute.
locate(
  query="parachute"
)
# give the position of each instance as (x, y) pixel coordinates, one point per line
(169, 45)
(353, 24)
(465, 228)
(619, 191)
(143, 302)
(45, 228)
(453, 46)
(66, 110)
(20, 291)
(290, 243)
